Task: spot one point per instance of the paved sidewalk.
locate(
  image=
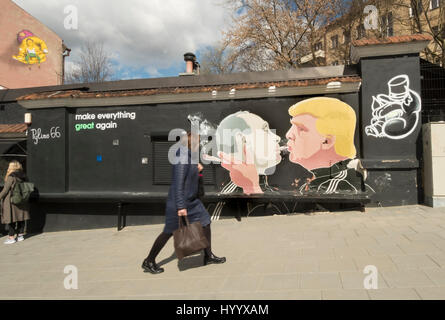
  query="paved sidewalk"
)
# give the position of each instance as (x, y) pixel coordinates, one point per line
(318, 256)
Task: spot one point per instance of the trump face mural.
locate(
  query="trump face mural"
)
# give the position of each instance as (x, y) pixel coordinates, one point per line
(321, 133)
(321, 139)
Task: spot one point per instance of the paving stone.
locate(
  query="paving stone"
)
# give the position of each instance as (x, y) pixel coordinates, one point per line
(439, 258)
(280, 282)
(413, 261)
(355, 280)
(331, 243)
(345, 295)
(380, 262)
(276, 257)
(302, 265)
(320, 281)
(393, 294)
(337, 265)
(393, 239)
(287, 295)
(361, 241)
(437, 275)
(419, 247)
(384, 250)
(370, 232)
(242, 283)
(407, 279)
(318, 252)
(437, 293)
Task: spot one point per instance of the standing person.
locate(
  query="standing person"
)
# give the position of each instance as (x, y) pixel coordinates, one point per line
(12, 214)
(182, 201)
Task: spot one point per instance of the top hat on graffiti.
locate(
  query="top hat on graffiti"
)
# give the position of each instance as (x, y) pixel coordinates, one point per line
(396, 115)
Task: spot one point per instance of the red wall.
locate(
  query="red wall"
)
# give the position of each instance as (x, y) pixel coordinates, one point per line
(14, 74)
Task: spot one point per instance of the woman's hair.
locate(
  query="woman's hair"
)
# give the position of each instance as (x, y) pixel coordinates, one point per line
(14, 166)
(189, 140)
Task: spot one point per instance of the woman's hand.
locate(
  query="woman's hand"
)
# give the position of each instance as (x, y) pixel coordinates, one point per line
(200, 167)
(182, 213)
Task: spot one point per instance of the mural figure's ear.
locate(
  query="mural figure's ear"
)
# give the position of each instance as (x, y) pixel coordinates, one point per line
(328, 142)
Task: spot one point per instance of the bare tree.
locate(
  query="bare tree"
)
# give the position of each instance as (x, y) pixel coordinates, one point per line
(275, 34)
(94, 65)
(215, 60)
(425, 17)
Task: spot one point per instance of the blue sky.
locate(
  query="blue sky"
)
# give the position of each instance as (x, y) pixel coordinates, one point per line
(145, 38)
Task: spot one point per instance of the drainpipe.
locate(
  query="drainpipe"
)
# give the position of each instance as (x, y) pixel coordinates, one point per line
(66, 53)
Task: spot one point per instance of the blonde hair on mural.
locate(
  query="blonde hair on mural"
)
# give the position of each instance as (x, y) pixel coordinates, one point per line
(334, 117)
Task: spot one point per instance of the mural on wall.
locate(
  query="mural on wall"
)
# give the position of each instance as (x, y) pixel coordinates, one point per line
(32, 49)
(320, 139)
(247, 148)
(395, 115)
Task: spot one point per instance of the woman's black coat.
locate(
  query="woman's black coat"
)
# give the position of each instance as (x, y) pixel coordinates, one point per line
(183, 193)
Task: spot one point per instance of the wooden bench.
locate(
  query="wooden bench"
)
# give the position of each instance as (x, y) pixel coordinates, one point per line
(120, 199)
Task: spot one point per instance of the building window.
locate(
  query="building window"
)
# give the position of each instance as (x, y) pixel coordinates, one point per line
(435, 4)
(361, 32)
(334, 41)
(387, 25)
(162, 169)
(416, 8)
(346, 37)
(318, 46)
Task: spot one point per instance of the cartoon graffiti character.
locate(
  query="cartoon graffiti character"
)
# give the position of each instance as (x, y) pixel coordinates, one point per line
(395, 116)
(248, 148)
(321, 139)
(32, 49)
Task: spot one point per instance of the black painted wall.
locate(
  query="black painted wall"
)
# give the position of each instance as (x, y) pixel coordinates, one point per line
(11, 113)
(392, 163)
(47, 141)
(111, 160)
(99, 161)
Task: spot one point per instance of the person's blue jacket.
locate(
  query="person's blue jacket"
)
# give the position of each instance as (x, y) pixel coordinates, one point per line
(183, 193)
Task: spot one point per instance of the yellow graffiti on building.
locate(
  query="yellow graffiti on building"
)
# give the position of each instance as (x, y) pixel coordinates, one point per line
(32, 49)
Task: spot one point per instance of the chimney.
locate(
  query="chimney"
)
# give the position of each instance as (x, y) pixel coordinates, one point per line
(192, 66)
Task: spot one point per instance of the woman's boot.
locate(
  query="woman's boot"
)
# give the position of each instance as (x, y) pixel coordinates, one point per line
(151, 267)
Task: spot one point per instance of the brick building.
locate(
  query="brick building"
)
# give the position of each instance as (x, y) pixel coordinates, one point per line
(395, 18)
(31, 54)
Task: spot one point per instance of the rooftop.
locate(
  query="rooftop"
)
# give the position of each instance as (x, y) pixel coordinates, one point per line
(13, 128)
(391, 40)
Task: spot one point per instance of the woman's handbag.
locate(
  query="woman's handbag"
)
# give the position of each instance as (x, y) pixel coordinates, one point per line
(189, 238)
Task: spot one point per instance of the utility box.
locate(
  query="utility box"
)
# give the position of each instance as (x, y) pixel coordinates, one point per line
(434, 163)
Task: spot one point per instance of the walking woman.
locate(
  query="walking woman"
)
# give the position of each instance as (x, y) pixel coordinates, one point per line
(183, 201)
(12, 214)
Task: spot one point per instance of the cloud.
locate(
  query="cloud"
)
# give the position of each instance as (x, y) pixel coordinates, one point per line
(144, 36)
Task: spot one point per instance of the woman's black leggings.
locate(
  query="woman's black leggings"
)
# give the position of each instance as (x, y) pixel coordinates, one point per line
(19, 230)
(164, 237)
